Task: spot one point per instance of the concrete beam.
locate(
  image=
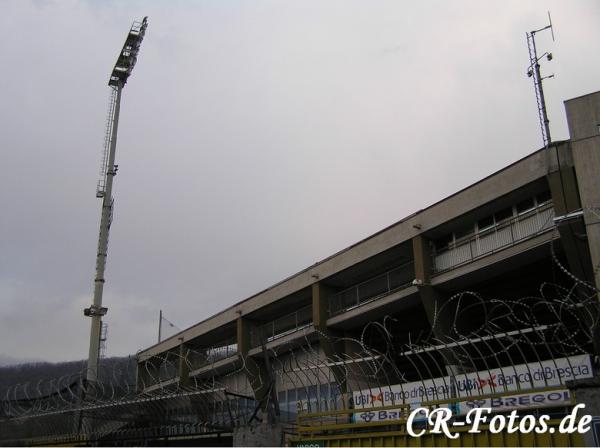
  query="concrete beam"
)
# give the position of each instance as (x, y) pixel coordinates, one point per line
(498, 256)
(293, 339)
(220, 367)
(394, 302)
(520, 173)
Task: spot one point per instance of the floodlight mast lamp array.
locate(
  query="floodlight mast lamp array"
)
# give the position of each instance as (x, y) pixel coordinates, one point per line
(118, 78)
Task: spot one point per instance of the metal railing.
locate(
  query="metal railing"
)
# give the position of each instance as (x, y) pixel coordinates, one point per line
(372, 289)
(210, 355)
(282, 326)
(509, 233)
(214, 354)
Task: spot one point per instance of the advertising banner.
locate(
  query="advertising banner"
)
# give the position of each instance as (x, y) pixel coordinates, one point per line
(468, 386)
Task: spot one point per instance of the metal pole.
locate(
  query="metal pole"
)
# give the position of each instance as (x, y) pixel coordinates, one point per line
(538, 81)
(107, 205)
(159, 324)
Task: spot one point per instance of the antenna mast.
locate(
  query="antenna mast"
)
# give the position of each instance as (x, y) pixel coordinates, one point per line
(535, 73)
(118, 78)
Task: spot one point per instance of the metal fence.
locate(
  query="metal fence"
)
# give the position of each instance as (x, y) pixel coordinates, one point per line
(529, 341)
(498, 237)
(381, 285)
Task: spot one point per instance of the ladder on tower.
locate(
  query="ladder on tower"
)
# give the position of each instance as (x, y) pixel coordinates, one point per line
(110, 117)
(103, 337)
(541, 107)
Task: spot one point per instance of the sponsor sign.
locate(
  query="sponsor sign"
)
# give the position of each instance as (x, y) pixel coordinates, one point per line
(468, 386)
(553, 398)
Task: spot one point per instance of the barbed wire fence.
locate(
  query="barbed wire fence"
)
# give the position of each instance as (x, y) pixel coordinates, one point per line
(473, 341)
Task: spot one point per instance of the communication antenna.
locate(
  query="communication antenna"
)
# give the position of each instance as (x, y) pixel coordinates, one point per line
(108, 170)
(534, 72)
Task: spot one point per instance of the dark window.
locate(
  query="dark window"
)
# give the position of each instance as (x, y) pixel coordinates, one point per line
(443, 243)
(485, 223)
(525, 205)
(463, 234)
(503, 214)
(543, 197)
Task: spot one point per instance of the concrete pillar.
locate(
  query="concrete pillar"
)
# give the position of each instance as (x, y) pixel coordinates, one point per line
(257, 371)
(562, 179)
(430, 297)
(147, 373)
(183, 368)
(565, 198)
(439, 313)
(422, 259)
(195, 358)
(328, 338)
(320, 304)
(243, 335)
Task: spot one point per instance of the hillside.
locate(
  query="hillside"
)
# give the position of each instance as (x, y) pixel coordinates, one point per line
(48, 375)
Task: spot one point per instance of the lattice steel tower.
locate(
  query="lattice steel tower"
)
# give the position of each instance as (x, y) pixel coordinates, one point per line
(118, 78)
(534, 72)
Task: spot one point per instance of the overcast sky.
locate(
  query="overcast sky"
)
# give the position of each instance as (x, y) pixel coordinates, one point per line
(256, 138)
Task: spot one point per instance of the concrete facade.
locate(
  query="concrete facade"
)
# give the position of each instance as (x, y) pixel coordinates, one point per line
(583, 117)
(481, 238)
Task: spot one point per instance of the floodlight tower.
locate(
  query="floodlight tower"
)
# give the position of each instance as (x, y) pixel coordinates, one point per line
(534, 72)
(118, 78)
